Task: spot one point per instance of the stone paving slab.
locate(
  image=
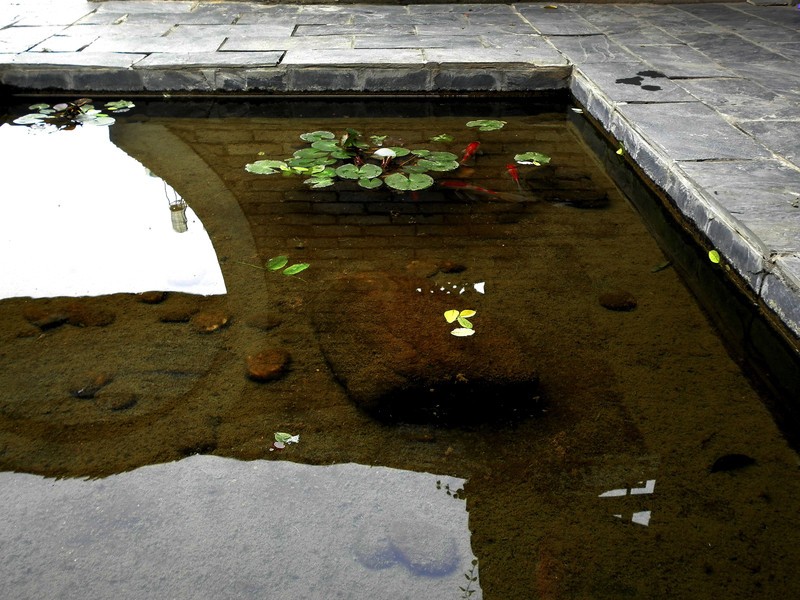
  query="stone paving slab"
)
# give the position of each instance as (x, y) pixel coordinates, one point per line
(703, 96)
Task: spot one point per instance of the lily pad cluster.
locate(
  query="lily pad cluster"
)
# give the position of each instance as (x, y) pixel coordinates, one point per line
(364, 160)
(371, 163)
(68, 115)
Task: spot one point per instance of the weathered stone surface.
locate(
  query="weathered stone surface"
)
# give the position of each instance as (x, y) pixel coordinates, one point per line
(387, 341)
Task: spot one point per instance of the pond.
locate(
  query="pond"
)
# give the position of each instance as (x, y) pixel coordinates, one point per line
(588, 435)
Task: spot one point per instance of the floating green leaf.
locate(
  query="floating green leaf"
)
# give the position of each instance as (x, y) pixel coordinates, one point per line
(437, 165)
(442, 138)
(464, 322)
(486, 124)
(411, 182)
(621, 150)
(400, 151)
(119, 105)
(714, 257)
(370, 184)
(532, 158)
(296, 268)
(277, 262)
(265, 167)
(319, 182)
(39, 106)
(377, 140)
(315, 136)
(326, 145)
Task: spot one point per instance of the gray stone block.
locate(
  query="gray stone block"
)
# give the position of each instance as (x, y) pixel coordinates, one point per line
(468, 80)
(681, 61)
(396, 80)
(321, 80)
(537, 79)
(690, 131)
(762, 194)
(543, 54)
(782, 137)
(230, 60)
(362, 57)
(586, 49)
(556, 22)
(632, 82)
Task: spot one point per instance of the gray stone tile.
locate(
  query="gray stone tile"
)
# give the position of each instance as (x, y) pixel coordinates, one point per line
(353, 57)
(154, 44)
(415, 41)
(210, 59)
(789, 50)
(446, 31)
(729, 49)
(786, 16)
(541, 55)
(681, 61)
(74, 59)
(52, 14)
(257, 43)
(782, 137)
(645, 37)
(780, 76)
(556, 22)
(592, 49)
(320, 30)
(505, 40)
(633, 82)
(256, 14)
(19, 39)
(609, 19)
(690, 131)
(65, 43)
(394, 80)
(762, 194)
(741, 98)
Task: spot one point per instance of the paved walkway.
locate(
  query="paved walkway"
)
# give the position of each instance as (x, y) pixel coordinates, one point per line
(703, 96)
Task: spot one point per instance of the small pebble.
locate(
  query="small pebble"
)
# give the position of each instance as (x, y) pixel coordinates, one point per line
(209, 321)
(152, 297)
(449, 266)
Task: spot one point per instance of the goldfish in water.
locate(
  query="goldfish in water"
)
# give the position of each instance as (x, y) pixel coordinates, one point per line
(471, 192)
(470, 151)
(514, 172)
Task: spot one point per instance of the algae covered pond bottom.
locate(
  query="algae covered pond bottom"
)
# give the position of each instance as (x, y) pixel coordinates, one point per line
(608, 444)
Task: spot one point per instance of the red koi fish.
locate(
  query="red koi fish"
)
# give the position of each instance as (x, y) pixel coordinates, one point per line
(471, 192)
(514, 172)
(470, 151)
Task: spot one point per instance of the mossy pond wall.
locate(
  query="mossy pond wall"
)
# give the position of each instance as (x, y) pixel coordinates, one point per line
(610, 445)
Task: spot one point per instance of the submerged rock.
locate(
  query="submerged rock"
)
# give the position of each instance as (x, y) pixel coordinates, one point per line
(620, 301)
(268, 364)
(209, 321)
(391, 348)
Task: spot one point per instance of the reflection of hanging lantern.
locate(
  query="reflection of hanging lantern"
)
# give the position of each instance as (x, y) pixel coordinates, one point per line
(177, 209)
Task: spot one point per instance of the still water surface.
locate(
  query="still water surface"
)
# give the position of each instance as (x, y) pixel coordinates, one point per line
(643, 465)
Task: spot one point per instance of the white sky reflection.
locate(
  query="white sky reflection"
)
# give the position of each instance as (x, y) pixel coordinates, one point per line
(80, 217)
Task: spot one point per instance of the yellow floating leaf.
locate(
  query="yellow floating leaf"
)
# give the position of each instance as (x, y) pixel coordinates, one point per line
(714, 257)
(451, 315)
(467, 313)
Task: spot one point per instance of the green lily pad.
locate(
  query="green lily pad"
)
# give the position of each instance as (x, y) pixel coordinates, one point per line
(532, 158)
(265, 167)
(377, 140)
(369, 171)
(348, 171)
(315, 136)
(277, 262)
(296, 268)
(326, 146)
(486, 124)
(119, 105)
(370, 184)
(319, 182)
(410, 182)
(400, 151)
(442, 138)
(436, 165)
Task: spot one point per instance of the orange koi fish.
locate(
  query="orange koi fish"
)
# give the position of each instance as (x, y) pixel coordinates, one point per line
(514, 172)
(470, 151)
